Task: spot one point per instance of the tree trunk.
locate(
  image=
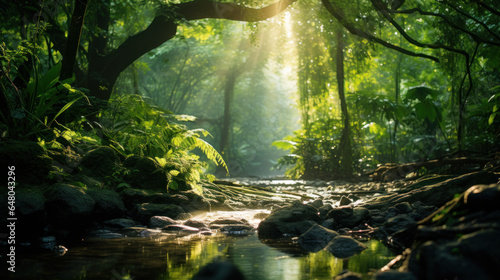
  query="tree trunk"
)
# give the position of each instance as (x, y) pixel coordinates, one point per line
(345, 141)
(226, 126)
(74, 34)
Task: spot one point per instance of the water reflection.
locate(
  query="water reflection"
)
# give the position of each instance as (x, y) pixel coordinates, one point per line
(139, 258)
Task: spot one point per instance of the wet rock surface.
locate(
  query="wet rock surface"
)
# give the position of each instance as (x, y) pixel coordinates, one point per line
(316, 238)
(291, 220)
(344, 247)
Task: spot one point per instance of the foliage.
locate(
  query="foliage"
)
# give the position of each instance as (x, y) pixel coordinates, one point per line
(32, 111)
(134, 127)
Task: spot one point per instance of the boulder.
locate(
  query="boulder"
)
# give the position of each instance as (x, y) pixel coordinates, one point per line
(140, 232)
(160, 221)
(291, 220)
(345, 201)
(145, 173)
(30, 211)
(398, 223)
(180, 229)
(68, 207)
(344, 247)
(195, 223)
(131, 197)
(32, 164)
(100, 162)
(318, 203)
(229, 221)
(316, 238)
(347, 216)
(143, 212)
(403, 207)
(108, 204)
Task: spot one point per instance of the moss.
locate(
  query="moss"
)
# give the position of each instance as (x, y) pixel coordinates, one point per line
(30, 159)
(100, 162)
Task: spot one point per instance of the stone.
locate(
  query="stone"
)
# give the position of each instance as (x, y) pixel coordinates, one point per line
(329, 223)
(395, 275)
(344, 201)
(229, 221)
(32, 163)
(140, 232)
(220, 271)
(316, 238)
(143, 212)
(317, 203)
(145, 173)
(131, 197)
(68, 207)
(160, 221)
(398, 223)
(104, 234)
(100, 162)
(353, 197)
(30, 211)
(290, 220)
(347, 216)
(180, 229)
(120, 223)
(403, 207)
(344, 247)
(108, 204)
(195, 223)
(184, 216)
(323, 210)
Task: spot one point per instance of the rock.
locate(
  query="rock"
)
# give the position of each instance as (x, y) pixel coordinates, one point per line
(108, 204)
(160, 221)
(120, 223)
(353, 197)
(32, 164)
(293, 220)
(165, 198)
(395, 275)
(403, 207)
(261, 216)
(140, 232)
(340, 213)
(131, 197)
(316, 238)
(482, 246)
(68, 207)
(347, 216)
(329, 223)
(229, 221)
(323, 210)
(237, 230)
(483, 197)
(348, 275)
(425, 210)
(398, 223)
(317, 203)
(143, 212)
(195, 223)
(219, 271)
(206, 232)
(30, 211)
(378, 219)
(344, 247)
(180, 229)
(345, 201)
(196, 202)
(100, 162)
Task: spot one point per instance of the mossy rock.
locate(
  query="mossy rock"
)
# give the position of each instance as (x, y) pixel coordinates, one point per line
(145, 173)
(68, 207)
(30, 211)
(108, 204)
(101, 162)
(30, 160)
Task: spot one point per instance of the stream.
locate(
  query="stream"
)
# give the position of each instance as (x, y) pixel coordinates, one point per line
(170, 256)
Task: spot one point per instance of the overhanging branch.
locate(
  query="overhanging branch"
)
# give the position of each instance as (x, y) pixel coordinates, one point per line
(339, 15)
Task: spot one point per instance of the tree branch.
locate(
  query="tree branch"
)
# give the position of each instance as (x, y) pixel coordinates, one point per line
(496, 12)
(474, 36)
(164, 27)
(339, 15)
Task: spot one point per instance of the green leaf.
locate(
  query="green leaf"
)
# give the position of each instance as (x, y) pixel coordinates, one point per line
(420, 93)
(492, 118)
(172, 185)
(285, 144)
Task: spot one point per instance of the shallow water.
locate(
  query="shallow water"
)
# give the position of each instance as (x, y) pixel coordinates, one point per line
(181, 258)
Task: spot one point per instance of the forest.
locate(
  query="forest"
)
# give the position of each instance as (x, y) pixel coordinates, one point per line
(362, 134)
